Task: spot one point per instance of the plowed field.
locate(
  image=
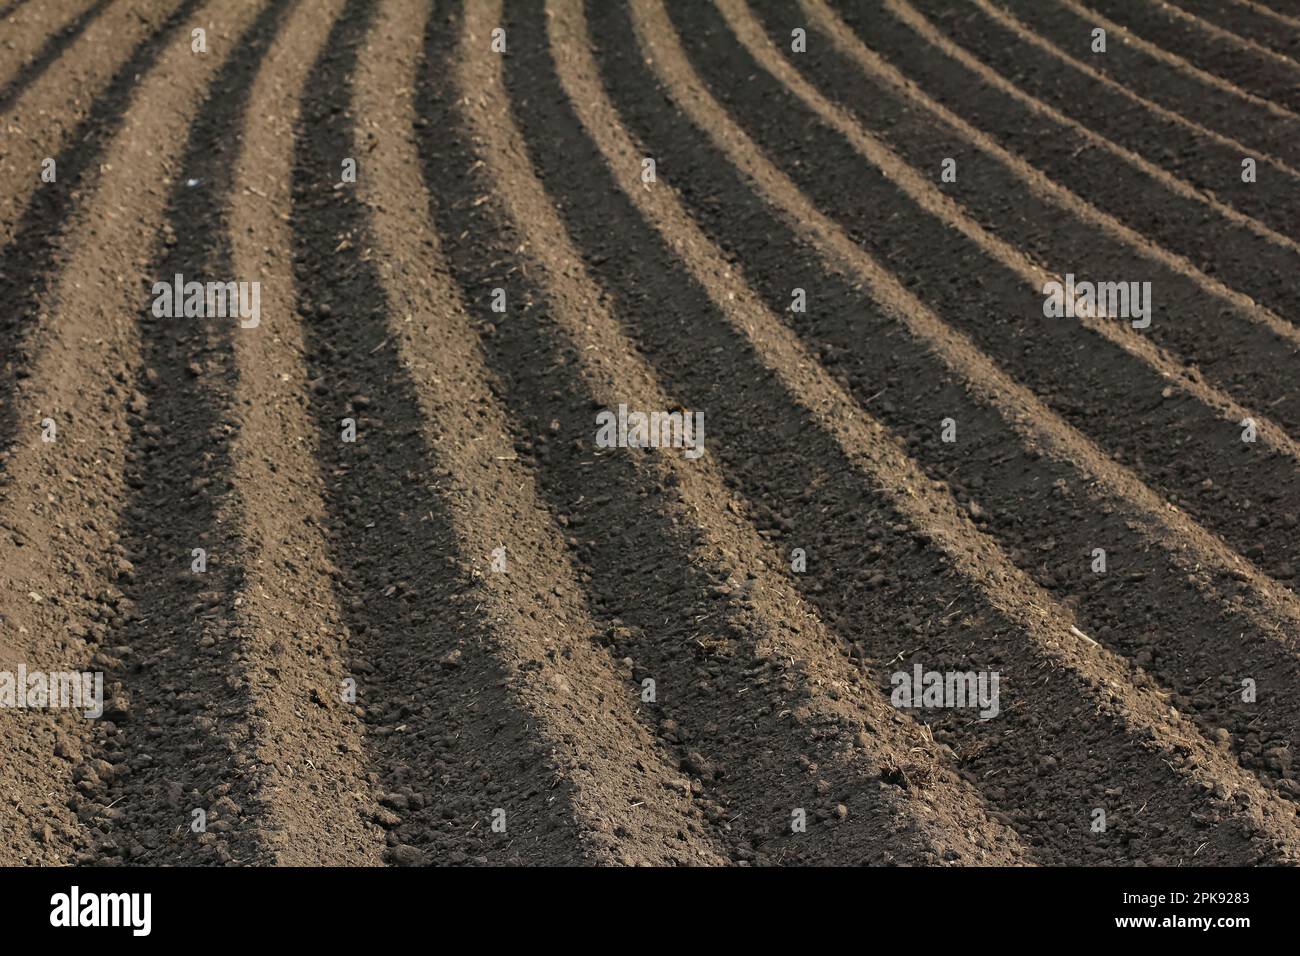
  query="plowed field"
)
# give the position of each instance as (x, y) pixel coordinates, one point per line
(367, 585)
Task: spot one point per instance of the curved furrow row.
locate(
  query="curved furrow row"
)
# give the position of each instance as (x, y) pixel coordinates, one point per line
(1248, 23)
(1265, 17)
(1244, 21)
(11, 7)
(51, 822)
(33, 38)
(761, 357)
(993, 43)
(918, 141)
(629, 789)
(1180, 99)
(1275, 610)
(1221, 177)
(1277, 128)
(1281, 337)
(71, 117)
(999, 116)
(1181, 316)
(359, 565)
(320, 804)
(1192, 53)
(508, 737)
(78, 87)
(445, 737)
(71, 597)
(184, 709)
(1035, 506)
(737, 663)
(849, 471)
(1153, 413)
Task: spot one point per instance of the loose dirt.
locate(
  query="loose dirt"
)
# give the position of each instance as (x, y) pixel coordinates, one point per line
(366, 587)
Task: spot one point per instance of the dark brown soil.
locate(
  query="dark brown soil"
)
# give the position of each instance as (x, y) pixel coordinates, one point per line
(652, 677)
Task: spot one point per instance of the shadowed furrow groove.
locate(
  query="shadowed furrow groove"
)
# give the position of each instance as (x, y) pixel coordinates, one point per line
(1209, 63)
(1273, 336)
(494, 501)
(1069, 366)
(1165, 78)
(11, 7)
(34, 216)
(1032, 504)
(729, 393)
(1181, 96)
(1183, 286)
(736, 662)
(440, 728)
(180, 660)
(1245, 23)
(559, 432)
(1263, 24)
(78, 99)
(69, 580)
(319, 805)
(1013, 62)
(38, 37)
(509, 710)
(1000, 114)
(1261, 71)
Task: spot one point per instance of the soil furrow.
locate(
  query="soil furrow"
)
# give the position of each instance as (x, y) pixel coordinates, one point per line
(510, 715)
(733, 670)
(184, 743)
(1275, 127)
(1166, 77)
(752, 35)
(1239, 20)
(33, 39)
(320, 805)
(988, 39)
(1048, 513)
(1226, 42)
(64, 551)
(890, 113)
(1063, 363)
(35, 217)
(564, 432)
(1195, 331)
(448, 740)
(866, 458)
(1259, 70)
(1172, 214)
(78, 98)
(918, 139)
(492, 491)
(1266, 15)
(736, 662)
